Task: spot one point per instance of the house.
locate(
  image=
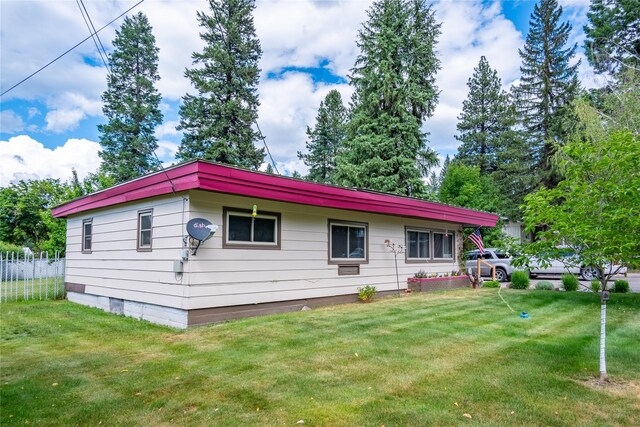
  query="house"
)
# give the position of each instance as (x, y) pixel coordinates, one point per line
(281, 244)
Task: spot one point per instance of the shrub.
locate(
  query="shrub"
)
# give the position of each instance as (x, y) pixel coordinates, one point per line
(520, 280)
(491, 284)
(543, 285)
(621, 286)
(570, 282)
(366, 293)
(421, 274)
(10, 247)
(595, 285)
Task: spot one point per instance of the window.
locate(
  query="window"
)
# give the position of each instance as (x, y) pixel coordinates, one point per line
(87, 235)
(417, 245)
(442, 246)
(242, 230)
(145, 227)
(347, 242)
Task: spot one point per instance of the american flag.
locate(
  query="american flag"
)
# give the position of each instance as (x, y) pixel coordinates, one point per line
(476, 238)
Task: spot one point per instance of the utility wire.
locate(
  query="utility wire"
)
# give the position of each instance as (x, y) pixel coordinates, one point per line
(63, 54)
(92, 32)
(264, 140)
(97, 37)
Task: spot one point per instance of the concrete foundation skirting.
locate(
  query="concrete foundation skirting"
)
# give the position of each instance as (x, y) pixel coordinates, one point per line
(179, 318)
(168, 316)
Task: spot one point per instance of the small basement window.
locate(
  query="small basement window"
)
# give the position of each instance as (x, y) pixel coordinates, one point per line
(442, 246)
(145, 228)
(348, 242)
(242, 230)
(87, 235)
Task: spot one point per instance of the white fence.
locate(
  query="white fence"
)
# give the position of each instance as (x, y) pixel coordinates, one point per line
(26, 276)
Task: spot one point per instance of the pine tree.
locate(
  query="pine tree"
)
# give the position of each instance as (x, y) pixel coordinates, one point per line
(325, 139)
(217, 121)
(613, 35)
(548, 85)
(131, 102)
(486, 121)
(395, 90)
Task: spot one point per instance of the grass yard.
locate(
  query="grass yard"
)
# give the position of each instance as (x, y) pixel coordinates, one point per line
(32, 289)
(422, 359)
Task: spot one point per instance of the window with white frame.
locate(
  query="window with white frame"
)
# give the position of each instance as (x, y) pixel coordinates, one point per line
(244, 230)
(442, 245)
(418, 244)
(347, 242)
(145, 229)
(87, 235)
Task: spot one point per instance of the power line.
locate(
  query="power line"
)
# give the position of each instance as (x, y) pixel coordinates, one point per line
(264, 140)
(92, 30)
(63, 54)
(97, 37)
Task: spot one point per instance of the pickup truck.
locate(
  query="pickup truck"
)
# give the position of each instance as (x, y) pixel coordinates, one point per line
(493, 256)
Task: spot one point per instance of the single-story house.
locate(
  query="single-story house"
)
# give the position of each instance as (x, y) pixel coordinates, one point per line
(281, 244)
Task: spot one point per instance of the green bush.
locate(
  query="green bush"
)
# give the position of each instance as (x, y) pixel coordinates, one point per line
(491, 284)
(570, 282)
(366, 293)
(595, 285)
(9, 247)
(621, 286)
(520, 280)
(543, 285)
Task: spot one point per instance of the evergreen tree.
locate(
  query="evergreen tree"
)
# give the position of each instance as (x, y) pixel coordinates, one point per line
(325, 139)
(269, 169)
(613, 35)
(217, 121)
(131, 102)
(394, 82)
(486, 121)
(548, 85)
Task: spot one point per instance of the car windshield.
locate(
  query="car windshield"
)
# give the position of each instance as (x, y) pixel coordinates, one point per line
(502, 255)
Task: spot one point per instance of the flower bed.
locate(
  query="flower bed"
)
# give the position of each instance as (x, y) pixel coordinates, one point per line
(437, 283)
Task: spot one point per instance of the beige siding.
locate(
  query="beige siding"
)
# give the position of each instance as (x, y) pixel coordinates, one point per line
(217, 277)
(115, 268)
(300, 269)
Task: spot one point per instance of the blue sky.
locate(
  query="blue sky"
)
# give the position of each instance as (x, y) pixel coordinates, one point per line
(48, 125)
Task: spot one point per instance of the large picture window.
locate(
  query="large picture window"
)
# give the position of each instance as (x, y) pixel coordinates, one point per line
(87, 235)
(243, 230)
(145, 228)
(348, 242)
(418, 245)
(442, 246)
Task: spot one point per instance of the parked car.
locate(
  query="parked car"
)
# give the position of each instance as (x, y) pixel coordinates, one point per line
(568, 262)
(496, 257)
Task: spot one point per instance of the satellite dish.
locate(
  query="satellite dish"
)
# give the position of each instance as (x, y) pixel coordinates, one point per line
(200, 229)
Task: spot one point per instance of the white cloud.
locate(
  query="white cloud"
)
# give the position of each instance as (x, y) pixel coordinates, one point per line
(10, 122)
(22, 157)
(167, 129)
(59, 121)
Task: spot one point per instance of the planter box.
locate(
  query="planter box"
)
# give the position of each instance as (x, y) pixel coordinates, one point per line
(437, 283)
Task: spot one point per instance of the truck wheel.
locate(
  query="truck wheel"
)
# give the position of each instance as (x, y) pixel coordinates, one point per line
(501, 275)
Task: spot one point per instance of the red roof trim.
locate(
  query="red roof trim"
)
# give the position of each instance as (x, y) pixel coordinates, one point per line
(200, 175)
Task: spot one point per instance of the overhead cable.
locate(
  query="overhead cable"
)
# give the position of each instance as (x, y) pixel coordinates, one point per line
(69, 50)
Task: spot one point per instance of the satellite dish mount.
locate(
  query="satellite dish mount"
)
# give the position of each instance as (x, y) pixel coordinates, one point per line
(200, 230)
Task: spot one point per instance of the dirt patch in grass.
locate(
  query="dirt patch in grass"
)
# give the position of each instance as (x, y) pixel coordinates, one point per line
(614, 387)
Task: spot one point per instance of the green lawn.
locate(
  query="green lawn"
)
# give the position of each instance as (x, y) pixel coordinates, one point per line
(421, 359)
(32, 289)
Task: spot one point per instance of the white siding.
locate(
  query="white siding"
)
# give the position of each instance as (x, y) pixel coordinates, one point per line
(300, 269)
(115, 268)
(217, 276)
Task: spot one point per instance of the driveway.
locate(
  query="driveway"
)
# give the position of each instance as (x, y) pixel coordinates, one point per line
(632, 278)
